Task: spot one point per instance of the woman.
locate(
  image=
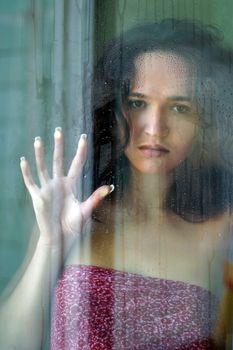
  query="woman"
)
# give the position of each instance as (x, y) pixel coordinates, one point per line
(144, 260)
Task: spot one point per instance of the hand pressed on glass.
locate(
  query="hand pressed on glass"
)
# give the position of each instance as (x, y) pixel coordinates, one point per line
(58, 212)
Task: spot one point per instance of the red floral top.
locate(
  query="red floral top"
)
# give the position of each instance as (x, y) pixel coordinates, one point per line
(103, 309)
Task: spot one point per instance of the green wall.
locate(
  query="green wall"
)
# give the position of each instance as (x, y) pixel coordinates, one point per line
(113, 16)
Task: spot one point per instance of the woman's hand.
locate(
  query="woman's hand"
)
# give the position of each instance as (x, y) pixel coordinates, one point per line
(59, 214)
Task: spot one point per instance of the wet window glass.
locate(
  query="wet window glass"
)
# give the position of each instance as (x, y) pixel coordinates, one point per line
(116, 179)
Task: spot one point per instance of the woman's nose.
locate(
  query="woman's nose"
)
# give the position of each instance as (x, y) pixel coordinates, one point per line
(157, 123)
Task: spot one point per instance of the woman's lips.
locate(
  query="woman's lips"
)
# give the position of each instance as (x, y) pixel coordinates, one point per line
(153, 151)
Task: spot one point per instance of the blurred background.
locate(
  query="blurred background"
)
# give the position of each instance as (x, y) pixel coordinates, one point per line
(47, 52)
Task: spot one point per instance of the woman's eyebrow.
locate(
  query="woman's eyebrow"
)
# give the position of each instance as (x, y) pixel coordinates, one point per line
(137, 94)
(170, 98)
(180, 98)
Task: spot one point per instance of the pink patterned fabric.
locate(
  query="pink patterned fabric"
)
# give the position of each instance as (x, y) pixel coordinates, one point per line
(103, 309)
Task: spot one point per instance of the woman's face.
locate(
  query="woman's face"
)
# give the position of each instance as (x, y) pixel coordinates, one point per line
(162, 118)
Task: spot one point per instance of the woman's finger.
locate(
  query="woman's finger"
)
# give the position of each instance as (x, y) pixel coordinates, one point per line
(27, 177)
(79, 159)
(40, 163)
(94, 200)
(58, 154)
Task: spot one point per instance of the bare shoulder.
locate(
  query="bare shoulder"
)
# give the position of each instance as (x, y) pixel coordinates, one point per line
(218, 227)
(218, 242)
(227, 236)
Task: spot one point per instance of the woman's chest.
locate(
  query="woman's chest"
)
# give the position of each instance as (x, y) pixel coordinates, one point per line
(180, 252)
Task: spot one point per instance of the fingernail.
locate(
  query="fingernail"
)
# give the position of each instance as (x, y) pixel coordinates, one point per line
(104, 192)
(82, 139)
(22, 159)
(112, 187)
(58, 132)
(37, 138)
(83, 136)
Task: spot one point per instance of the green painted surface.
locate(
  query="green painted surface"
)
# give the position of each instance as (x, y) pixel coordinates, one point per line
(119, 15)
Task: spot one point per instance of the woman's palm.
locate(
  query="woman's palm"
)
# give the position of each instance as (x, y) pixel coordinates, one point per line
(59, 214)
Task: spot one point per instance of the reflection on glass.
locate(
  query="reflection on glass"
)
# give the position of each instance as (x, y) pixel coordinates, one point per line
(138, 263)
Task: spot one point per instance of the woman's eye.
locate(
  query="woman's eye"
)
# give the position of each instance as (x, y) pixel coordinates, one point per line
(181, 109)
(136, 104)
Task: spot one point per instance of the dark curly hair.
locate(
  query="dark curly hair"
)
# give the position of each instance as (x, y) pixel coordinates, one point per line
(201, 187)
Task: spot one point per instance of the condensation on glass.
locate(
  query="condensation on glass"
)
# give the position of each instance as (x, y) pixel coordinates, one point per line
(117, 222)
